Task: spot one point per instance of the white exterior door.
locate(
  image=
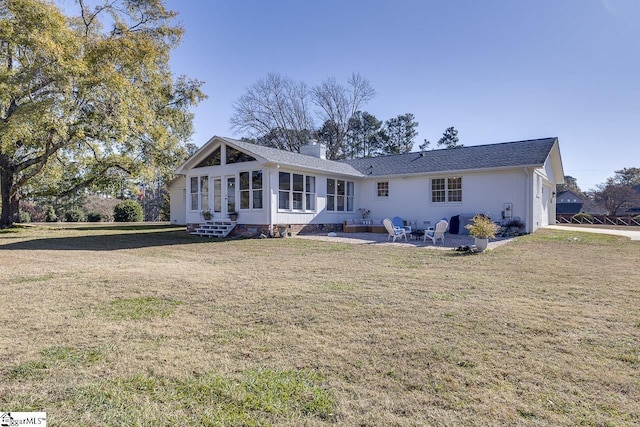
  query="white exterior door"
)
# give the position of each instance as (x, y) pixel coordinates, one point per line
(217, 196)
(230, 195)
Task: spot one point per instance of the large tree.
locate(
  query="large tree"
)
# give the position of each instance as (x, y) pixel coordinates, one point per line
(338, 103)
(275, 111)
(364, 136)
(400, 133)
(616, 197)
(628, 176)
(570, 184)
(87, 99)
(450, 138)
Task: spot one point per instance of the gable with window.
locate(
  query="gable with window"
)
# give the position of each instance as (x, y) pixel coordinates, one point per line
(446, 190)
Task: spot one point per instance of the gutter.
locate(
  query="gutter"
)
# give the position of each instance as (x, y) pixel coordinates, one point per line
(452, 172)
(527, 201)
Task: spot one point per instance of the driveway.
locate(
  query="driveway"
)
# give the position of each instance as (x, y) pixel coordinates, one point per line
(632, 234)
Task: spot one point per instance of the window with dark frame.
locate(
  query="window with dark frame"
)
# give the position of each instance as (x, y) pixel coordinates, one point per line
(382, 189)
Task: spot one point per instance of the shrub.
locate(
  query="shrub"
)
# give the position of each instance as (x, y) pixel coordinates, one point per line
(75, 215)
(101, 205)
(128, 211)
(482, 227)
(50, 214)
(582, 217)
(35, 212)
(94, 217)
(24, 216)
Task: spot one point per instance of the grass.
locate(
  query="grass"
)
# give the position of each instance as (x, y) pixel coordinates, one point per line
(149, 326)
(138, 308)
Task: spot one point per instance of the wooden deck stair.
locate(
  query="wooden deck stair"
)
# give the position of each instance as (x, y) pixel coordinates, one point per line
(214, 228)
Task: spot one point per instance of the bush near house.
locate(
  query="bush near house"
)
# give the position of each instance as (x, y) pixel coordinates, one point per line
(128, 211)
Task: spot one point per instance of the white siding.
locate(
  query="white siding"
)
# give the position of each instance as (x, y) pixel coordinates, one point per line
(410, 197)
(177, 201)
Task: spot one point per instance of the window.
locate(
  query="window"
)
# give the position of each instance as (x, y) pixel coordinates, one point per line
(382, 189)
(454, 189)
(235, 156)
(217, 195)
(340, 195)
(204, 192)
(194, 193)
(438, 191)
(256, 189)
(212, 160)
(446, 190)
(199, 192)
(284, 190)
(251, 190)
(296, 192)
(310, 193)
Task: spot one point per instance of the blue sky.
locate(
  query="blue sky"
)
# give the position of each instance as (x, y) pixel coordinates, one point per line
(496, 70)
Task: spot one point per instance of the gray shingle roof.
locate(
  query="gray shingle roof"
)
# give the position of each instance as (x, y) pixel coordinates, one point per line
(294, 159)
(503, 155)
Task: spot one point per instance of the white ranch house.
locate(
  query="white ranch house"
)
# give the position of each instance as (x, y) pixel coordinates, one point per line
(307, 192)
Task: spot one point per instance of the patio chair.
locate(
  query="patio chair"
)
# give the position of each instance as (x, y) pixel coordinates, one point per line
(437, 232)
(399, 222)
(394, 231)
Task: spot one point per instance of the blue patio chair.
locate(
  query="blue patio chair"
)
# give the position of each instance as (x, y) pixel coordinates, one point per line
(399, 222)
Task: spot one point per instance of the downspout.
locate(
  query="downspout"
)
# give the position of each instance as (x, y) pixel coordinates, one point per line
(270, 219)
(527, 201)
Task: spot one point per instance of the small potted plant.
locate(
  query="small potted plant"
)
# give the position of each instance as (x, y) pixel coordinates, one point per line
(206, 214)
(482, 229)
(282, 230)
(233, 216)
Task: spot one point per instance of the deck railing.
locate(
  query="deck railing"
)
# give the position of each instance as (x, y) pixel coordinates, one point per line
(597, 219)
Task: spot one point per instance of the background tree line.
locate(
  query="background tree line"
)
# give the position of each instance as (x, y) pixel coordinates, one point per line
(618, 195)
(279, 112)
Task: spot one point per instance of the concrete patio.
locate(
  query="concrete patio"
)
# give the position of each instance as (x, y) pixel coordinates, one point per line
(451, 240)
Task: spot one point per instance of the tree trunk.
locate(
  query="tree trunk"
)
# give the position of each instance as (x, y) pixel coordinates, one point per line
(10, 206)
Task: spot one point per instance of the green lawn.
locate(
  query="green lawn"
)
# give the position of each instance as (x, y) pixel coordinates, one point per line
(146, 326)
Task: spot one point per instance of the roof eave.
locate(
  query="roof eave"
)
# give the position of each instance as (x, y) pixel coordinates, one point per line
(453, 171)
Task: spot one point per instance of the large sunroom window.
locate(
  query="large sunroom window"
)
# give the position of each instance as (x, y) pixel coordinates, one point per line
(199, 192)
(296, 192)
(251, 190)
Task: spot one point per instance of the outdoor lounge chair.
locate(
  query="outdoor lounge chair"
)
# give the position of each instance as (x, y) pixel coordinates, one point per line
(394, 231)
(399, 222)
(437, 232)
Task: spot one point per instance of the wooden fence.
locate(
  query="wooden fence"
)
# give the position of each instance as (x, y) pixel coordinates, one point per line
(597, 219)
